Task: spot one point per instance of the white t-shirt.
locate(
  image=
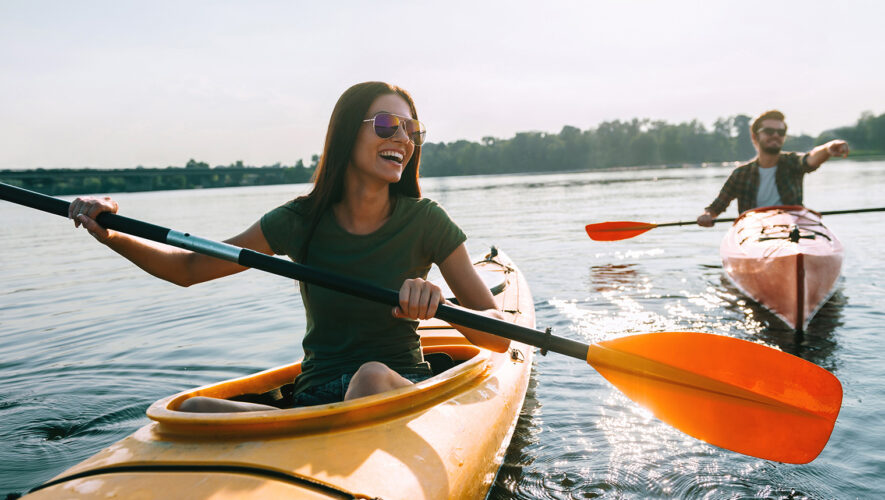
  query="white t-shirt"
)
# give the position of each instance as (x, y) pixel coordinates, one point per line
(767, 195)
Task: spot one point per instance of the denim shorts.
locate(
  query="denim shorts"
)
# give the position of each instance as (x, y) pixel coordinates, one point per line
(334, 390)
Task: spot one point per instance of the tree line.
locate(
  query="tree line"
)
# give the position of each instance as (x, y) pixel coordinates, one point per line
(193, 175)
(638, 142)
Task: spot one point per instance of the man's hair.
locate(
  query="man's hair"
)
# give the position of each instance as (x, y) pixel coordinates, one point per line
(771, 114)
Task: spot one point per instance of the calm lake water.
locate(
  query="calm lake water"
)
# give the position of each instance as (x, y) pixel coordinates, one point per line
(88, 341)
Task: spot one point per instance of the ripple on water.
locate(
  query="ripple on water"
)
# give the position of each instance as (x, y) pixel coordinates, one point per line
(57, 415)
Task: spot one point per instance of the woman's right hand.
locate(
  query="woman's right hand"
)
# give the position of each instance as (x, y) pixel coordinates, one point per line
(84, 210)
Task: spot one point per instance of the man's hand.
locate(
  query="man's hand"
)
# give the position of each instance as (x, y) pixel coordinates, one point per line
(824, 152)
(706, 219)
(837, 148)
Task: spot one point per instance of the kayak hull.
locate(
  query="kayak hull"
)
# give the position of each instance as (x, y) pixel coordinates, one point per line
(442, 438)
(785, 259)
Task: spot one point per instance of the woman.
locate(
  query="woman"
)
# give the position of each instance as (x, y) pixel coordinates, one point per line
(364, 218)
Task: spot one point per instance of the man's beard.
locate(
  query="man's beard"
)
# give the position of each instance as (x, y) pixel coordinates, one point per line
(772, 150)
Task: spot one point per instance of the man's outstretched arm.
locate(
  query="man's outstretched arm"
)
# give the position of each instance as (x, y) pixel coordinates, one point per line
(824, 152)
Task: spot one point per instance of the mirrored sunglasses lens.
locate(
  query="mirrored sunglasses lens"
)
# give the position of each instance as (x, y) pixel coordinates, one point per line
(416, 131)
(386, 125)
(418, 137)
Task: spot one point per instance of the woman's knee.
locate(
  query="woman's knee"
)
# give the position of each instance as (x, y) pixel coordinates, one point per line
(197, 404)
(374, 377)
(373, 370)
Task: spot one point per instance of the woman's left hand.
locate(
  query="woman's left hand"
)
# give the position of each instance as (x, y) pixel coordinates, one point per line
(418, 299)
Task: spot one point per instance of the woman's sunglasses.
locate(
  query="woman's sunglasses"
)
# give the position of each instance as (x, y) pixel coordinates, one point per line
(386, 125)
(772, 131)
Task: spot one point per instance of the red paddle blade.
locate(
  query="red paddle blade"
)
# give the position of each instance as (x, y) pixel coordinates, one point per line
(731, 393)
(614, 231)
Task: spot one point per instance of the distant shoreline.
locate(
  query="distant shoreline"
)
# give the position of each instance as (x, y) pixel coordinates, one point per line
(62, 181)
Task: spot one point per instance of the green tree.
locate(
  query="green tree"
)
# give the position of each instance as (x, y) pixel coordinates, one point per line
(195, 164)
(744, 149)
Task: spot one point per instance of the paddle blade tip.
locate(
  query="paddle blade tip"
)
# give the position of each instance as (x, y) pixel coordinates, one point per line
(616, 231)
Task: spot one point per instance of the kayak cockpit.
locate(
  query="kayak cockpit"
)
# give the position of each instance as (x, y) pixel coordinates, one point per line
(440, 359)
(470, 364)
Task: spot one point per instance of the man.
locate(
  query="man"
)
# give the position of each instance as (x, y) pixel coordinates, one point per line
(772, 178)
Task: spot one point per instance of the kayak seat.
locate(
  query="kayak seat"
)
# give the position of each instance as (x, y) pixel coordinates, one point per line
(280, 397)
(439, 361)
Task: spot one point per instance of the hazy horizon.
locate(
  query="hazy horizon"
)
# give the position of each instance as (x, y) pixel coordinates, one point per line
(107, 84)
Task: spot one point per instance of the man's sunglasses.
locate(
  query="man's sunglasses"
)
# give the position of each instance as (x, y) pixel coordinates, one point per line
(386, 125)
(772, 131)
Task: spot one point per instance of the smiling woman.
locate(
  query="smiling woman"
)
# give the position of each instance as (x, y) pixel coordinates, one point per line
(363, 218)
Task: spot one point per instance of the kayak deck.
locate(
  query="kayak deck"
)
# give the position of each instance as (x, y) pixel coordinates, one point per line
(784, 258)
(444, 437)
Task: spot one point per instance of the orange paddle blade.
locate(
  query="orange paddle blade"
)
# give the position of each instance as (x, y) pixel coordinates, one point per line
(731, 393)
(614, 231)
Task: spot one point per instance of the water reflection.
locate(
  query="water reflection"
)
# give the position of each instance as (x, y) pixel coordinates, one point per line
(524, 437)
(531, 181)
(613, 277)
(816, 345)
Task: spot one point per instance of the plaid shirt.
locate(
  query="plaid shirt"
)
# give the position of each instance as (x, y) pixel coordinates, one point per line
(743, 183)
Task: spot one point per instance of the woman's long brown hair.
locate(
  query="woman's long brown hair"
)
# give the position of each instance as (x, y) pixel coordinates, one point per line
(344, 126)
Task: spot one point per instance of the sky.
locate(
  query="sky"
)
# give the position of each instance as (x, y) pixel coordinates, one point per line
(118, 84)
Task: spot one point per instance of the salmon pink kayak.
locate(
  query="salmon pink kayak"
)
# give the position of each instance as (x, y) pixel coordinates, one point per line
(784, 258)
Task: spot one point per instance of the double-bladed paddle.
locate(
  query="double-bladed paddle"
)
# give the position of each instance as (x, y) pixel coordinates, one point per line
(731, 393)
(622, 230)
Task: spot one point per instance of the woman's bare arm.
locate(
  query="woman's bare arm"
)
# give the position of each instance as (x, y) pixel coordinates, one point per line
(472, 293)
(178, 266)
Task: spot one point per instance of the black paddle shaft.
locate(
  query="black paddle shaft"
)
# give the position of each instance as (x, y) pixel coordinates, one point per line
(732, 219)
(300, 272)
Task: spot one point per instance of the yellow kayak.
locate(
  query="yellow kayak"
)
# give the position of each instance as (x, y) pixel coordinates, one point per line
(442, 438)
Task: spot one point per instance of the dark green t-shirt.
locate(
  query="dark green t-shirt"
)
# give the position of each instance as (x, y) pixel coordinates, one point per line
(343, 331)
